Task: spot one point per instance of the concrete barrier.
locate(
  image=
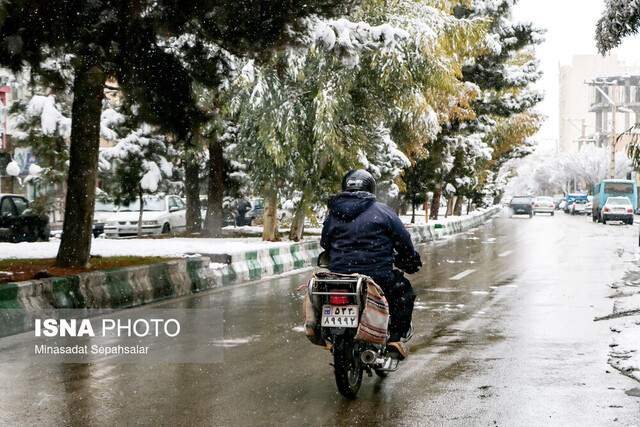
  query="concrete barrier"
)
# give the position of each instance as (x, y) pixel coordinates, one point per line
(116, 288)
(138, 285)
(253, 265)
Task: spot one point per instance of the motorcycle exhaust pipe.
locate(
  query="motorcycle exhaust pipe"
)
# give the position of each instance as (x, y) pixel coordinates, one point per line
(368, 357)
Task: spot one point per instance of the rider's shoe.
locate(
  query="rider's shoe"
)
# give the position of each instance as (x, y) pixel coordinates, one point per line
(396, 350)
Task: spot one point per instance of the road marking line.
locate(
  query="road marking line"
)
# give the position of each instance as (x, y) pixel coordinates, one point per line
(461, 275)
(505, 253)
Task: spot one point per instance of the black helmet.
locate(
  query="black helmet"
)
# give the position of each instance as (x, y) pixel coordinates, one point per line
(359, 180)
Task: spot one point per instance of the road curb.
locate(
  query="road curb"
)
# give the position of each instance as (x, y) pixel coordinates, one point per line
(258, 264)
(138, 285)
(254, 265)
(117, 288)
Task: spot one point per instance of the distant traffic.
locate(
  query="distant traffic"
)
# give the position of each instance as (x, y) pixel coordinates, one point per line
(610, 200)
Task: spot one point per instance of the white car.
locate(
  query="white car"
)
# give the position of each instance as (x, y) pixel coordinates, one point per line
(161, 215)
(578, 206)
(617, 208)
(102, 212)
(588, 207)
(543, 204)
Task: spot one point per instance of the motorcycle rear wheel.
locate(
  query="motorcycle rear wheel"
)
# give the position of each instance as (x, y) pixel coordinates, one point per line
(347, 366)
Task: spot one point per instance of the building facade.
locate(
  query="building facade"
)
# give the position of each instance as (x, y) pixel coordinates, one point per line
(585, 112)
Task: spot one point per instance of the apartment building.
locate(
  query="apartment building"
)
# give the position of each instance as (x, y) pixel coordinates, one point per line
(586, 90)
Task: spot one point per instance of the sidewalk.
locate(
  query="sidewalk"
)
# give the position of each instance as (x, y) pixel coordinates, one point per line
(625, 346)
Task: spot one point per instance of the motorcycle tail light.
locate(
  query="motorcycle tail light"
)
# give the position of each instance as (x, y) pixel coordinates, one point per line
(338, 299)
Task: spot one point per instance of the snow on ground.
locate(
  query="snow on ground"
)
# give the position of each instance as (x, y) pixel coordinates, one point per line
(625, 348)
(177, 246)
(172, 247)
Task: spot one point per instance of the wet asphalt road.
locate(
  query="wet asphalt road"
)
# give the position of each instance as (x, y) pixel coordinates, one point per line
(504, 336)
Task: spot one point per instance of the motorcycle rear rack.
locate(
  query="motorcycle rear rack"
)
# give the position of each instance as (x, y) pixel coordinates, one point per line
(357, 293)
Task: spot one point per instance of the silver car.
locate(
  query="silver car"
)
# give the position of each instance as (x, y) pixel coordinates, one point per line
(543, 204)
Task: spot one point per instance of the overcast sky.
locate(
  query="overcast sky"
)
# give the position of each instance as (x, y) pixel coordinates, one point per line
(570, 28)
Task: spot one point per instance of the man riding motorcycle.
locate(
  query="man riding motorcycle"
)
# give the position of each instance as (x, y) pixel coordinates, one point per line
(360, 236)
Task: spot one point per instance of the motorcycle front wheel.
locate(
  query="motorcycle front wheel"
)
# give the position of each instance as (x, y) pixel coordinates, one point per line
(347, 366)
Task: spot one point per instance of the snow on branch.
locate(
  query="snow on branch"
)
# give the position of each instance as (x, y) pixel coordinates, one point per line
(52, 121)
(621, 18)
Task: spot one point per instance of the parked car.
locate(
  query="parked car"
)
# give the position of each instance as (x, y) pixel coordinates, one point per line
(617, 208)
(570, 198)
(256, 210)
(543, 204)
(20, 223)
(102, 211)
(578, 207)
(521, 205)
(228, 211)
(161, 215)
(608, 188)
(588, 207)
(557, 199)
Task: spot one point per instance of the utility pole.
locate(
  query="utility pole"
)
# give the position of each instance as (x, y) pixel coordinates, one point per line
(612, 101)
(612, 172)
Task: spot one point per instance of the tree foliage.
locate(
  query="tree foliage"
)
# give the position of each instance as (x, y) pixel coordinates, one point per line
(470, 149)
(123, 40)
(355, 94)
(620, 19)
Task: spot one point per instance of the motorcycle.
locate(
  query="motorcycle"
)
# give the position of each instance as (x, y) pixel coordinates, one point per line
(357, 340)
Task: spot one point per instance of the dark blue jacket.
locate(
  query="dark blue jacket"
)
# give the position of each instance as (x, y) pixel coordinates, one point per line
(361, 234)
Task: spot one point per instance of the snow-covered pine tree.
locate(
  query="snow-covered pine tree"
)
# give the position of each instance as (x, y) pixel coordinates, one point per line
(104, 45)
(620, 19)
(354, 94)
(504, 116)
(144, 162)
(44, 126)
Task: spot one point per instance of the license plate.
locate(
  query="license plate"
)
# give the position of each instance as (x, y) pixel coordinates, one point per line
(340, 316)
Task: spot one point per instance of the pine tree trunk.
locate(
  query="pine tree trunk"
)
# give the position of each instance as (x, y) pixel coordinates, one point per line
(88, 91)
(469, 207)
(435, 203)
(192, 193)
(270, 230)
(140, 211)
(297, 225)
(457, 210)
(215, 192)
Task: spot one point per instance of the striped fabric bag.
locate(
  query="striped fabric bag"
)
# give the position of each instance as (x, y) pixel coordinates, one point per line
(375, 316)
(310, 321)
